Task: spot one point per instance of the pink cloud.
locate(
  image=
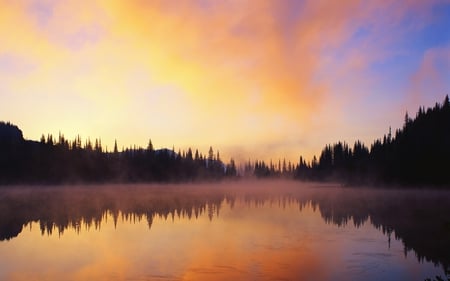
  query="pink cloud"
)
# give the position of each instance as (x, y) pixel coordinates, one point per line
(431, 81)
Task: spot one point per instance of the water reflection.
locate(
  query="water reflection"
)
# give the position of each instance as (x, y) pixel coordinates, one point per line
(265, 230)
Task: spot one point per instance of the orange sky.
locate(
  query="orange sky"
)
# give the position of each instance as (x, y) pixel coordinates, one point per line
(254, 79)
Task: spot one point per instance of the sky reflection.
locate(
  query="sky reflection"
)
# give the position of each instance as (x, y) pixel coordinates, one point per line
(272, 239)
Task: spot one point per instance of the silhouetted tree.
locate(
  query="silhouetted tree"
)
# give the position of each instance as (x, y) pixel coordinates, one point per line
(56, 161)
(417, 154)
(115, 151)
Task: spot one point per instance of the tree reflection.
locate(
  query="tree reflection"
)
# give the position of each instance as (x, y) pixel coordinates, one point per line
(60, 209)
(416, 217)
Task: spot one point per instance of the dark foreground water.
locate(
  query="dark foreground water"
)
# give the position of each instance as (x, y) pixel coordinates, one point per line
(231, 231)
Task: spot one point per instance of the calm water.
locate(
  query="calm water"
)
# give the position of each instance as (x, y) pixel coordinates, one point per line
(234, 231)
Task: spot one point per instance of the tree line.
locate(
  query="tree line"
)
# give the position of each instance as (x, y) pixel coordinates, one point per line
(62, 161)
(417, 154)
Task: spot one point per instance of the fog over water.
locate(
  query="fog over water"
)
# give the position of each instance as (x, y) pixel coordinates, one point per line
(261, 230)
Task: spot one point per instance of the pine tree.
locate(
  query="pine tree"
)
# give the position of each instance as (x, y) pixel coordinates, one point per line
(211, 154)
(150, 146)
(115, 147)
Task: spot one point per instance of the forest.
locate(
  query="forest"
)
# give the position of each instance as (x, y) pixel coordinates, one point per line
(56, 161)
(416, 154)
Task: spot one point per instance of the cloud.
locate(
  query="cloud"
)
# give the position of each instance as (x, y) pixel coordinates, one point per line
(431, 81)
(231, 72)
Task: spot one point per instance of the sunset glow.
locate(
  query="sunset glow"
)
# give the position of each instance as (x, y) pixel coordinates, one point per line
(224, 247)
(259, 79)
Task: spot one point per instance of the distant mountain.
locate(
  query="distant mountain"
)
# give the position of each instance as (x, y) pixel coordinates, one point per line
(10, 133)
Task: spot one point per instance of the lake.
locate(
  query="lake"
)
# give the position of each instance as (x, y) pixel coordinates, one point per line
(262, 230)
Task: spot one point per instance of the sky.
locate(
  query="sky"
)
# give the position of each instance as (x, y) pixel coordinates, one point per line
(253, 79)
